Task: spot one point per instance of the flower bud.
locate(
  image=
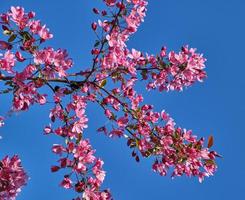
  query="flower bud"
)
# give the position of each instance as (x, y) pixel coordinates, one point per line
(96, 11)
(94, 26)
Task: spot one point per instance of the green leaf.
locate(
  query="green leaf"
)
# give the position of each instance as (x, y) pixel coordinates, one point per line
(12, 38)
(103, 83)
(26, 36)
(97, 43)
(144, 74)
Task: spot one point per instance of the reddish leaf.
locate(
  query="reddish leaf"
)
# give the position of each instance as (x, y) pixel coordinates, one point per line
(210, 141)
(4, 45)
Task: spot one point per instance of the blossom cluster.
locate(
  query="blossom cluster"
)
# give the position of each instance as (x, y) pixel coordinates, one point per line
(150, 133)
(172, 71)
(26, 67)
(86, 175)
(47, 63)
(12, 177)
(175, 70)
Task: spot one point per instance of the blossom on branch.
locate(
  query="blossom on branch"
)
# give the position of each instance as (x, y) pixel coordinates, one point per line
(12, 177)
(27, 67)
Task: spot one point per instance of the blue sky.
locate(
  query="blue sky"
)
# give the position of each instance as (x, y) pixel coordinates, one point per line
(215, 107)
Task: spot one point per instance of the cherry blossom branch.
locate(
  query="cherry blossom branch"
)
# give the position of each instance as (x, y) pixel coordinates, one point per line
(150, 133)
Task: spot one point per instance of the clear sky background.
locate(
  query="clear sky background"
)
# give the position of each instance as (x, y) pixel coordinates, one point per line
(216, 28)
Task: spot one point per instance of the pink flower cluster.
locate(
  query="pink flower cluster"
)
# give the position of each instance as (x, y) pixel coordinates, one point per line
(7, 62)
(148, 133)
(48, 63)
(155, 134)
(178, 148)
(23, 20)
(118, 54)
(176, 71)
(12, 177)
(55, 62)
(26, 95)
(80, 158)
(172, 72)
(77, 153)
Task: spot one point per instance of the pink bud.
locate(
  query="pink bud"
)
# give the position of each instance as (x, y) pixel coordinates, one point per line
(66, 183)
(96, 11)
(5, 18)
(163, 52)
(41, 99)
(94, 26)
(19, 57)
(108, 113)
(47, 130)
(164, 115)
(103, 13)
(31, 14)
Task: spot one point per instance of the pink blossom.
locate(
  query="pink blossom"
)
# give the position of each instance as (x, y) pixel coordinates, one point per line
(116, 133)
(31, 14)
(108, 113)
(4, 18)
(84, 152)
(41, 99)
(48, 129)
(44, 33)
(78, 126)
(164, 115)
(26, 94)
(35, 26)
(66, 183)
(18, 15)
(122, 121)
(12, 177)
(58, 149)
(163, 52)
(50, 57)
(135, 54)
(7, 62)
(97, 170)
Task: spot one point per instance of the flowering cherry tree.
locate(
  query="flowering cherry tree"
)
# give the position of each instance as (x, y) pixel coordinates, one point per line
(27, 66)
